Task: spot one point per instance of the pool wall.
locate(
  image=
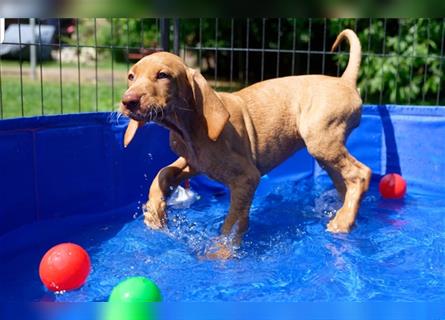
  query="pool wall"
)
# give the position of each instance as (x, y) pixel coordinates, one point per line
(59, 166)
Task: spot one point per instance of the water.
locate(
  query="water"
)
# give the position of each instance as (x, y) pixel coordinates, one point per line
(395, 253)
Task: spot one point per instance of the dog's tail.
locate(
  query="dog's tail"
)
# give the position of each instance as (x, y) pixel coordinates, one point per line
(355, 55)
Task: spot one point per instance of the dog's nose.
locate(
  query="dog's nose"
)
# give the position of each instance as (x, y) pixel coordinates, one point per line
(131, 100)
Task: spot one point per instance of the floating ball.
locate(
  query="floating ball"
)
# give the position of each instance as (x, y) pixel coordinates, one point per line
(64, 267)
(392, 186)
(136, 289)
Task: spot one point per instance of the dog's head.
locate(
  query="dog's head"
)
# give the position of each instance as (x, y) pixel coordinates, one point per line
(153, 86)
(161, 84)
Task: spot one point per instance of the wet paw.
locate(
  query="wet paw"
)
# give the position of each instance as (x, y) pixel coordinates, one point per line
(219, 251)
(154, 215)
(339, 226)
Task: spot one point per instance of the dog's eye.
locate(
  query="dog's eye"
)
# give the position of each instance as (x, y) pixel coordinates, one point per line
(131, 77)
(162, 75)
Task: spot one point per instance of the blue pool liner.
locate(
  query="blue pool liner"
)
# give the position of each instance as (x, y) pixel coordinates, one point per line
(59, 174)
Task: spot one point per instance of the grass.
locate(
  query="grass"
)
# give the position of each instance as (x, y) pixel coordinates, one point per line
(50, 99)
(59, 96)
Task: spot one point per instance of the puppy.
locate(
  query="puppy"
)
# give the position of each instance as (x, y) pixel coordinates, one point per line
(235, 138)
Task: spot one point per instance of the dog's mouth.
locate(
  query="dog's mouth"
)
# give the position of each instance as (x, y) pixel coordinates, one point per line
(150, 113)
(138, 118)
(134, 116)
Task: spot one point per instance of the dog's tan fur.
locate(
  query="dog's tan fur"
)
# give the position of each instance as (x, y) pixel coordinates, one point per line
(236, 137)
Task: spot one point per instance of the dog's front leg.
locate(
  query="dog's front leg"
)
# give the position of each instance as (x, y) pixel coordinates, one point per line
(167, 179)
(242, 190)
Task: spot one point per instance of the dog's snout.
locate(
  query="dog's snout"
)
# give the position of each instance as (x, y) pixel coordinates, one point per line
(131, 100)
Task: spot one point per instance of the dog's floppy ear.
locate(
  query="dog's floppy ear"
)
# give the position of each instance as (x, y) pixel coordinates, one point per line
(208, 102)
(132, 127)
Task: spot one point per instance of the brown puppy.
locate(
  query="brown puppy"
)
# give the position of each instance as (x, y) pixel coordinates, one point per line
(236, 137)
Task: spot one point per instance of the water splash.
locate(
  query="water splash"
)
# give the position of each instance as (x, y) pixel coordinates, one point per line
(182, 198)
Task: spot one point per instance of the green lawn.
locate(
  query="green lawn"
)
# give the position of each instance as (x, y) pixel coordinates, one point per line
(49, 99)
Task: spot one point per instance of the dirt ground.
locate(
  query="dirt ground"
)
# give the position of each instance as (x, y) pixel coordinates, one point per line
(68, 74)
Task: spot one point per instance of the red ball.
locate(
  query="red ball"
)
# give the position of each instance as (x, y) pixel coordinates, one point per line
(64, 267)
(392, 186)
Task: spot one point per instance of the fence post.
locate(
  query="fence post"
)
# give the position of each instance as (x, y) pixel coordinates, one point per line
(32, 49)
(165, 34)
(176, 36)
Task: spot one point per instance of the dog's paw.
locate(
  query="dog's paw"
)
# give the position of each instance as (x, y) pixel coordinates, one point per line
(339, 226)
(219, 251)
(153, 223)
(154, 215)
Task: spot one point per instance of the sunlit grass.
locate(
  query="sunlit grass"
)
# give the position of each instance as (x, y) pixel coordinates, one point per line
(51, 99)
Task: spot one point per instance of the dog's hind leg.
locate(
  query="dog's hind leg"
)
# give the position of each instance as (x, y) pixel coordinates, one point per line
(350, 177)
(336, 178)
(165, 181)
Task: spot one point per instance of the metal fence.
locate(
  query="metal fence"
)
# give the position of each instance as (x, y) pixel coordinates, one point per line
(82, 65)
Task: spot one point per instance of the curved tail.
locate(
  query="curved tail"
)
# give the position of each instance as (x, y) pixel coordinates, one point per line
(355, 55)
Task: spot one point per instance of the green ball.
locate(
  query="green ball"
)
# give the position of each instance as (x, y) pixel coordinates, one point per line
(128, 300)
(136, 289)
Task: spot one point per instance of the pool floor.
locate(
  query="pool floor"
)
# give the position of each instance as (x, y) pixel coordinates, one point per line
(395, 253)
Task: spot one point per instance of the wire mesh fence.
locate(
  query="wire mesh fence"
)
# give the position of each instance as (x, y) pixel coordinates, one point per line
(80, 65)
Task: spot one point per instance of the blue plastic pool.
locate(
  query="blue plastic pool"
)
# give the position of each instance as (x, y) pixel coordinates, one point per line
(68, 178)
